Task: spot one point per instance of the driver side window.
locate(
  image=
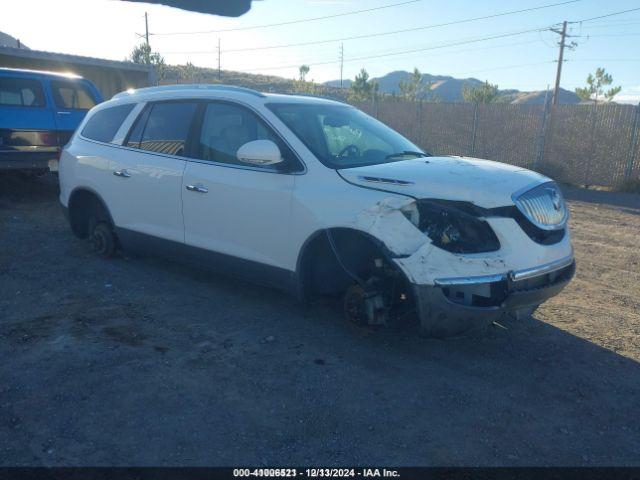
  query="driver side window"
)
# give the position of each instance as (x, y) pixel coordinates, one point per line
(342, 136)
(227, 127)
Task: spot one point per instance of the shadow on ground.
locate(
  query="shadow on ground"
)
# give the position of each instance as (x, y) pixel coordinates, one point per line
(630, 202)
(141, 362)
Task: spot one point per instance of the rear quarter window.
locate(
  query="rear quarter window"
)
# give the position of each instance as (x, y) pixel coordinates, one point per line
(103, 125)
(21, 92)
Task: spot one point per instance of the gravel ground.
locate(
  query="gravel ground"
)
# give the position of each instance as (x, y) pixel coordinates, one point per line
(141, 362)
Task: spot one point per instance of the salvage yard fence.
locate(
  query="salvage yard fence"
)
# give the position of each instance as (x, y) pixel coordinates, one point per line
(593, 145)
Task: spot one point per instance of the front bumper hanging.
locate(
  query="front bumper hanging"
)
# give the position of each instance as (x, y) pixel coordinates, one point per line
(455, 305)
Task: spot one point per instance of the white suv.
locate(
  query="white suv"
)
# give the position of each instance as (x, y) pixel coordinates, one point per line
(315, 197)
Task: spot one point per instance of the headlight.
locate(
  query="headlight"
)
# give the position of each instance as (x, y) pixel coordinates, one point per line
(455, 231)
(411, 212)
(543, 206)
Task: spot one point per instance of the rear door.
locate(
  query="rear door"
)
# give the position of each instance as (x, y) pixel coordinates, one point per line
(27, 126)
(145, 191)
(72, 99)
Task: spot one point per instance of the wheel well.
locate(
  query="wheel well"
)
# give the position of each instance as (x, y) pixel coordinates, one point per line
(83, 206)
(321, 273)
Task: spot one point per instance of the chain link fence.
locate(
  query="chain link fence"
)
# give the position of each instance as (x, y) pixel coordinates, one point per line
(574, 144)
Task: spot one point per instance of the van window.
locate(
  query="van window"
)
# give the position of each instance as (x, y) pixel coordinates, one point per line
(167, 127)
(21, 92)
(226, 127)
(72, 95)
(104, 125)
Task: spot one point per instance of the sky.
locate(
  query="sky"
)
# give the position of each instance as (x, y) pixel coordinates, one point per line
(525, 61)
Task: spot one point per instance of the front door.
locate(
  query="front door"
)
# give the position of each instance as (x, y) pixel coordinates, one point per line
(231, 207)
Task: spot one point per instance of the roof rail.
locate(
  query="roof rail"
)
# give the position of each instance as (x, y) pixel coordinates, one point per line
(42, 72)
(313, 95)
(196, 86)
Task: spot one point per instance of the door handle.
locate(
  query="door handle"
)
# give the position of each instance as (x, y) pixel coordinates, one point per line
(197, 188)
(122, 173)
(63, 113)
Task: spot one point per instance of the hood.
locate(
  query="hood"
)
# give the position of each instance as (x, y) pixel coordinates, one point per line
(482, 182)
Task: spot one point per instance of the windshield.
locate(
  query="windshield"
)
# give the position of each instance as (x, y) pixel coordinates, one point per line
(343, 137)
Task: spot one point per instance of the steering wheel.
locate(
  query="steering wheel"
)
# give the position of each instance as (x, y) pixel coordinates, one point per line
(349, 151)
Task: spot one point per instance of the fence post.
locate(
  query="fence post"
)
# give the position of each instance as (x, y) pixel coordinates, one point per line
(375, 104)
(475, 127)
(418, 120)
(542, 137)
(594, 119)
(634, 142)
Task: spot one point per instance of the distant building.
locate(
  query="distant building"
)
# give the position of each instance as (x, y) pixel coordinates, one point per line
(109, 76)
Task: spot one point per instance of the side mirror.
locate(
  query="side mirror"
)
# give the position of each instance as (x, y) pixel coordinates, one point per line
(260, 153)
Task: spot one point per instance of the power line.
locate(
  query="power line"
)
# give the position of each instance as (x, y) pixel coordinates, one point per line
(434, 47)
(605, 60)
(508, 67)
(612, 24)
(321, 61)
(607, 15)
(392, 32)
(466, 50)
(563, 37)
(610, 35)
(341, 62)
(219, 66)
(291, 22)
(146, 27)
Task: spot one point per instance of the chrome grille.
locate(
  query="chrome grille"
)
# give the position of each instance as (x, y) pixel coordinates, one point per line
(543, 206)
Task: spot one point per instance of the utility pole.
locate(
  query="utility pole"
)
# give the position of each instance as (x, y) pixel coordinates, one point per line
(563, 45)
(146, 27)
(219, 71)
(341, 62)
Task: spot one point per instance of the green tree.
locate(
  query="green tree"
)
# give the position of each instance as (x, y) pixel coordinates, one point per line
(301, 85)
(414, 88)
(303, 70)
(595, 88)
(485, 93)
(142, 54)
(362, 88)
(411, 88)
(188, 72)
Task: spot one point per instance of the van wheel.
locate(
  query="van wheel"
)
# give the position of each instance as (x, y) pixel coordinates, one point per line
(103, 239)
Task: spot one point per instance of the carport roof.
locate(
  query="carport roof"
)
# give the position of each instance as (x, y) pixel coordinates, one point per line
(96, 62)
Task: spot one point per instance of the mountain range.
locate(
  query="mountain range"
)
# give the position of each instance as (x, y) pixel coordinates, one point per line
(449, 89)
(8, 41)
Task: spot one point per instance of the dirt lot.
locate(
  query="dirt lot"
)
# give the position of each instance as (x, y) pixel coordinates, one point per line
(141, 362)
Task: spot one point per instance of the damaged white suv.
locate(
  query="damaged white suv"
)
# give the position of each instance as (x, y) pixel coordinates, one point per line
(315, 197)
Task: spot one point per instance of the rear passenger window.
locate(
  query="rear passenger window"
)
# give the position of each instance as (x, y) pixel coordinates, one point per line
(104, 125)
(135, 134)
(21, 92)
(167, 128)
(72, 95)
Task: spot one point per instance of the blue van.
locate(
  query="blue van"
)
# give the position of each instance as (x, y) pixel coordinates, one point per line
(39, 112)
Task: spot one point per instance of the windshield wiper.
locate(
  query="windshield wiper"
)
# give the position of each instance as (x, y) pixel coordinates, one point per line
(406, 153)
